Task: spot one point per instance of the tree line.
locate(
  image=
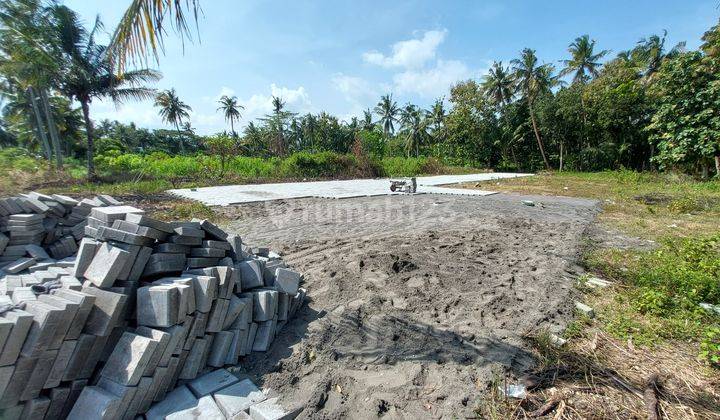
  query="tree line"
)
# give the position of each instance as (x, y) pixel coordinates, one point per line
(652, 106)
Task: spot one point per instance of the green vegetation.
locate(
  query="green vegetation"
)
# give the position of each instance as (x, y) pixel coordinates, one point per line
(157, 171)
(649, 107)
(660, 289)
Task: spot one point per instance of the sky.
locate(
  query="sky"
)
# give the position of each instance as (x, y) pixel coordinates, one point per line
(339, 56)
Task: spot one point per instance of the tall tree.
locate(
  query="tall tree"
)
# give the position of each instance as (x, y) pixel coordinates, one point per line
(584, 62)
(173, 111)
(367, 121)
(388, 111)
(499, 85)
(414, 127)
(231, 110)
(533, 80)
(435, 118)
(88, 74)
(650, 52)
(141, 31)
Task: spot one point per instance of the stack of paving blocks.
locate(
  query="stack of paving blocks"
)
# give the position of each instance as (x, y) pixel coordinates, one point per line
(106, 326)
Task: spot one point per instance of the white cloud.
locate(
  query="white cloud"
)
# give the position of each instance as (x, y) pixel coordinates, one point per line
(357, 91)
(434, 81)
(142, 113)
(413, 53)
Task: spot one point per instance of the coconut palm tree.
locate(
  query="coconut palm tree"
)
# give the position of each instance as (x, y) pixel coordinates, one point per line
(435, 118)
(173, 111)
(651, 53)
(584, 63)
(414, 126)
(388, 111)
(88, 74)
(231, 109)
(499, 85)
(367, 121)
(142, 29)
(532, 80)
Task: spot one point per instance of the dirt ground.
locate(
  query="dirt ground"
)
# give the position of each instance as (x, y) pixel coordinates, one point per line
(416, 303)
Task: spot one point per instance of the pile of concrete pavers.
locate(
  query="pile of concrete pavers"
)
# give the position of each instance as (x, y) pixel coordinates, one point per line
(133, 309)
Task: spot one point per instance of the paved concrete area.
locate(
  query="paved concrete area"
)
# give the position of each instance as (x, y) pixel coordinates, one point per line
(236, 194)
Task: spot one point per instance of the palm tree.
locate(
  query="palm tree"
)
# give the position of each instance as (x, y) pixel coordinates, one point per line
(584, 62)
(414, 125)
(435, 117)
(142, 29)
(173, 111)
(651, 53)
(88, 74)
(532, 80)
(231, 109)
(367, 122)
(499, 85)
(387, 110)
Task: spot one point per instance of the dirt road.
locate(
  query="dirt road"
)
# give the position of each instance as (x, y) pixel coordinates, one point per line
(416, 301)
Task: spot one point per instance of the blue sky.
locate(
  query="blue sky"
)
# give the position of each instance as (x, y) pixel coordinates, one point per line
(340, 56)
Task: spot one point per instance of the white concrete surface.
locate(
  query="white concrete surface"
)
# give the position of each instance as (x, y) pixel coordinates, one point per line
(236, 194)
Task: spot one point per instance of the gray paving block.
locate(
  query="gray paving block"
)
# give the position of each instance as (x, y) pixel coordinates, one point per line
(24, 368)
(238, 398)
(143, 220)
(129, 359)
(39, 375)
(163, 352)
(106, 265)
(205, 409)
(79, 357)
(139, 264)
(60, 364)
(196, 262)
(271, 409)
(212, 230)
(69, 310)
(96, 352)
(85, 304)
(206, 290)
(21, 323)
(19, 265)
(264, 304)
(133, 250)
(236, 306)
(139, 403)
(170, 248)
(223, 245)
(37, 252)
(164, 263)
(227, 277)
(218, 313)
(177, 400)
(109, 234)
(220, 348)
(58, 397)
(6, 373)
(283, 306)
(177, 337)
(95, 403)
(251, 274)
(46, 321)
(194, 360)
(106, 311)
(36, 408)
(252, 332)
(167, 382)
(264, 336)
(157, 305)
(287, 281)
(269, 271)
(136, 229)
(234, 350)
(207, 252)
(211, 382)
(125, 393)
(111, 213)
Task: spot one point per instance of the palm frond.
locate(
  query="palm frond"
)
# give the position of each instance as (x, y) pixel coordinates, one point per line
(142, 29)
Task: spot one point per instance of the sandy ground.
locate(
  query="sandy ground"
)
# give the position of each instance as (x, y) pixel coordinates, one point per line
(416, 302)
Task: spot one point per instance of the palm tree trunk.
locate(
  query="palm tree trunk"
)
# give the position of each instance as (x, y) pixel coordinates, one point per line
(537, 136)
(717, 166)
(232, 127)
(52, 128)
(90, 132)
(180, 139)
(561, 156)
(39, 125)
